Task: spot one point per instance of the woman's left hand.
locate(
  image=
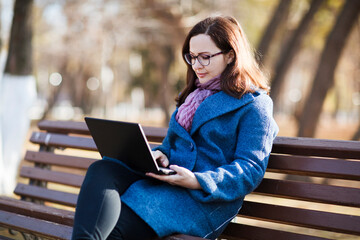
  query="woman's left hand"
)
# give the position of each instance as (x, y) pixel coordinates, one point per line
(183, 177)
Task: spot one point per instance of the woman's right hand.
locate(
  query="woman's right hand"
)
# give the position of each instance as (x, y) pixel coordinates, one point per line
(161, 158)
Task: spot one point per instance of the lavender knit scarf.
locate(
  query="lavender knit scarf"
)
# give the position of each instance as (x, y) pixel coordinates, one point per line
(187, 110)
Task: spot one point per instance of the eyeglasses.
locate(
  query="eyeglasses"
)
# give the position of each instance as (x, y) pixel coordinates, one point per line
(203, 59)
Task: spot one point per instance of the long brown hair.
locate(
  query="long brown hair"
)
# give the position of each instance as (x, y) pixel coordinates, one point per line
(243, 74)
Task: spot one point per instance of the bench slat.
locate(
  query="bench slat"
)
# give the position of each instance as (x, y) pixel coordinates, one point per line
(59, 160)
(343, 196)
(63, 141)
(154, 134)
(317, 147)
(259, 233)
(67, 199)
(288, 145)
(34, 226)
(64, 127)
(316, 167)
(68, 179)
(302, 217)
(34, 210)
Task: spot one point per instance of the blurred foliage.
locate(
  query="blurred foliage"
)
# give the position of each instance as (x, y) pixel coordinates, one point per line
(101, 40)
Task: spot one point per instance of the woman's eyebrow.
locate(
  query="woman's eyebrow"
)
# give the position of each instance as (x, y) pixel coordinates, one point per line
(199, 53)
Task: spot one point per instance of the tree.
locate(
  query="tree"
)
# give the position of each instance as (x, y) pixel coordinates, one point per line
(278, 17)
(167, 36)
(356, 136)
(19, 60)
(290, 50)
(324, 77)
(18, 91)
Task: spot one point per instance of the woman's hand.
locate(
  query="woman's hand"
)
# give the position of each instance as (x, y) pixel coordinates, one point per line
(161, 158)
(183, 177)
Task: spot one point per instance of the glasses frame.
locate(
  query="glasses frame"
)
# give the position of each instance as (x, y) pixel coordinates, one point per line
(197, 58)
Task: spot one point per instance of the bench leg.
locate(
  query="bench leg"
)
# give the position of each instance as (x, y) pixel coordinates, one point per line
(38, 183)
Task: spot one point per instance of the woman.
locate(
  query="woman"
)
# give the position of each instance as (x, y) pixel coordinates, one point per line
(218, 142)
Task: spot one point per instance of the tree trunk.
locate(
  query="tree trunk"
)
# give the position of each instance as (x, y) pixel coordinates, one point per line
(18, 92)
(172, 23)
(20, 47)
(292, 48)
(278, 16)
(168, 52)
(356, 136)
(324, 78)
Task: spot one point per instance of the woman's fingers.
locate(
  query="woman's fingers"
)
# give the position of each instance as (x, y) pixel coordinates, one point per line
(161, 158)
(183, 177)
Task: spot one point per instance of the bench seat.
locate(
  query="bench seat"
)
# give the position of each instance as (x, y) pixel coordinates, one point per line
(311, 189)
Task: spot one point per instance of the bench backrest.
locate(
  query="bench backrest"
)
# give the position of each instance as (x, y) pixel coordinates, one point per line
(312, 186)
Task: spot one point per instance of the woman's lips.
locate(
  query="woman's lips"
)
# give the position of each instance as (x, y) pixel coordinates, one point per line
(201, 75)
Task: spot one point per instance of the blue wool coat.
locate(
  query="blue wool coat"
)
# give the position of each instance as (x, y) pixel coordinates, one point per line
(227, 148)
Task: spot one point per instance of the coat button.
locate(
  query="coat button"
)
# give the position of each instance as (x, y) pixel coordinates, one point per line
(191, 146)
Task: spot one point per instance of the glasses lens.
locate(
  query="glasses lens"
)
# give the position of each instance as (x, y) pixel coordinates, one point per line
(204, 59)
(189, 59)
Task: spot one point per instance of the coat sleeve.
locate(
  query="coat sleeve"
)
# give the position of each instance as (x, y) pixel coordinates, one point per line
(256, 132)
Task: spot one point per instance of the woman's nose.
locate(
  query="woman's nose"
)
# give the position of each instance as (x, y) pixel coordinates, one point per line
(197, 65)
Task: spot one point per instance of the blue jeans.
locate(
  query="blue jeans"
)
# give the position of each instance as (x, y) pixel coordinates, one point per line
(100, 213)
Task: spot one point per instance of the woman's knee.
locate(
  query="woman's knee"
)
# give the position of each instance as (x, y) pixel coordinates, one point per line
(112, 174)
(100, 169)
(101, 166)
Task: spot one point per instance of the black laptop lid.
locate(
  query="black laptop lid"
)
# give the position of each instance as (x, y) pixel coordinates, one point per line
(123, 141)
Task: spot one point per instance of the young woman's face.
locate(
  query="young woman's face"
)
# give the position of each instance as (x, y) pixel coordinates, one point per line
(204, 45)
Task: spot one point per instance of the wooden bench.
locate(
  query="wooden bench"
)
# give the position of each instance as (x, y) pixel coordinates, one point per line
(311, 189)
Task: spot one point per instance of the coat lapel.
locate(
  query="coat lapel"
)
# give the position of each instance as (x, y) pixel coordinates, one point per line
(217, 105)
(176, 127)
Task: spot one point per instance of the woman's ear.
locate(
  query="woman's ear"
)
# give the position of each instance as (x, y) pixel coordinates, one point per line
(230, 56)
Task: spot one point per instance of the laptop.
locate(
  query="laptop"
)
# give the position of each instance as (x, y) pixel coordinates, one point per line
(125, 142)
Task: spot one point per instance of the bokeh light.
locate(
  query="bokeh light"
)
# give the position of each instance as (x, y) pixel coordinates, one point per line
(55, 79)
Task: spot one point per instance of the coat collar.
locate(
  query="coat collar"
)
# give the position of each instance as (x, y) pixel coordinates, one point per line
(217, 105)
